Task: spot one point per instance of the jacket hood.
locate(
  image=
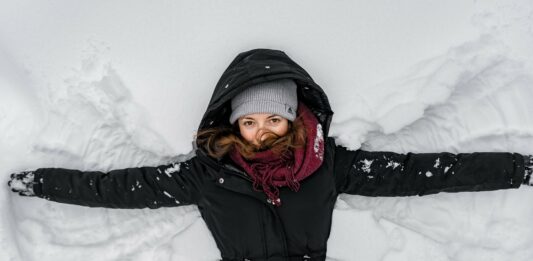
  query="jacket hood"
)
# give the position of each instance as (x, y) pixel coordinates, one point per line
(261, 65)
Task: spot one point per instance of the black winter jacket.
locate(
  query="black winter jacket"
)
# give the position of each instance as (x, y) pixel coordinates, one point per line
(244, 224)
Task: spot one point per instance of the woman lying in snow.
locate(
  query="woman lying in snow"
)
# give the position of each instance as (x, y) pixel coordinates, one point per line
(266, 175)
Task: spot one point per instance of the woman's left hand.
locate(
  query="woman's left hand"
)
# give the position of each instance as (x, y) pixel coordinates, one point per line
(22, 182)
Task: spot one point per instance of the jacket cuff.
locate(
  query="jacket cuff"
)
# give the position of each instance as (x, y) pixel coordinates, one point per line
(38, 183)
(528, 170)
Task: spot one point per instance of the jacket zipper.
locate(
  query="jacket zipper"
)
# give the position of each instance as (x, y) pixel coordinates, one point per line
(283, 235)
(265, 248)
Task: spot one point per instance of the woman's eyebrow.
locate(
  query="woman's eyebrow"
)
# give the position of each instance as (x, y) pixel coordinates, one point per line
(250, 118)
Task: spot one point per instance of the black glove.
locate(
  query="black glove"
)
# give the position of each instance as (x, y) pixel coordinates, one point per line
(22, 182)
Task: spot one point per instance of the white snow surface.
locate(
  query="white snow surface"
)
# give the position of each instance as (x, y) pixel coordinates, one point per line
(101, 85)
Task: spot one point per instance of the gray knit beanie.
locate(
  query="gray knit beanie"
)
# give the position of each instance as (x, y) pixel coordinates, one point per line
(276, 97)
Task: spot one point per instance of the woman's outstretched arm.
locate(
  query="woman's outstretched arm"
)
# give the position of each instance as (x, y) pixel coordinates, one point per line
(379, 173)
(153, 187)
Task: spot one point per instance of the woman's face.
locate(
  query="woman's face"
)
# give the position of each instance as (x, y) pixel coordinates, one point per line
(252, 126)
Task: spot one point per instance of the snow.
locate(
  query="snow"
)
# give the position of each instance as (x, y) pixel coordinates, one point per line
(102, 85)
(437, 163)
(392, 164)
(174, 168)
(366, 165)
(319, 153)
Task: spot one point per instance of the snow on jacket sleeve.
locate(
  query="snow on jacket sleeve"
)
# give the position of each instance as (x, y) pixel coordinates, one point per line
(153, 187)
(382, 173)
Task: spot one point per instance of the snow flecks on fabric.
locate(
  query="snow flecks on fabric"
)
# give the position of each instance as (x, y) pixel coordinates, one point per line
(427, 173)
(319, 139)
(366, 165)
(170, 196)
(137, 184)
(392, 164)
(437, 163)
(174, 168)
(167, 194)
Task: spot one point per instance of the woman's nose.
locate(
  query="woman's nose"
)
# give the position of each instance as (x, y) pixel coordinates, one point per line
(260, 133)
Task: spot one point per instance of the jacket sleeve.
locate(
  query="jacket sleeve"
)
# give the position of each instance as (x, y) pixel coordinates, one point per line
(379, 173)
(174, 184)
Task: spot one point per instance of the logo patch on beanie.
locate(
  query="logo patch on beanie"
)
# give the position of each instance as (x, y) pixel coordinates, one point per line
(289, 109)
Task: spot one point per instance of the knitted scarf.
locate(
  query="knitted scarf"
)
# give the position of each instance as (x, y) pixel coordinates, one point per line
(269, 171)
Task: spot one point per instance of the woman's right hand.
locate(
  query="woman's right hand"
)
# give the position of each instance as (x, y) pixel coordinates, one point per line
(22, 182)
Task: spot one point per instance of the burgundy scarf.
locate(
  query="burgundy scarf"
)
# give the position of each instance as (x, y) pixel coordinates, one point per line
(268, 171)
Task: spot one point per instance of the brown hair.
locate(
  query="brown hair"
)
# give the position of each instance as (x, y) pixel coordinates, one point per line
(219, 141)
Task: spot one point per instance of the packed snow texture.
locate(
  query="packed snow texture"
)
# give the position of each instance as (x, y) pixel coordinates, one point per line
(101, 85)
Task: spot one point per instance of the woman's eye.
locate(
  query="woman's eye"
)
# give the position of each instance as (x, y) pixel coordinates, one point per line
(275, 120)
(247, 123)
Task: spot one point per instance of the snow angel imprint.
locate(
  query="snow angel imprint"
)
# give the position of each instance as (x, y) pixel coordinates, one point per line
(266, 174)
